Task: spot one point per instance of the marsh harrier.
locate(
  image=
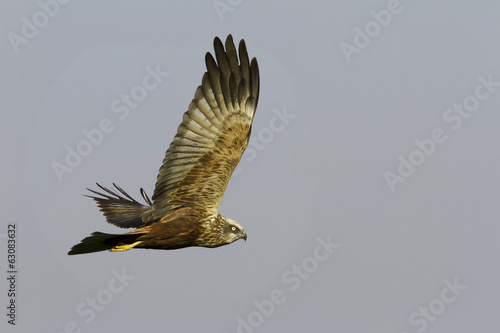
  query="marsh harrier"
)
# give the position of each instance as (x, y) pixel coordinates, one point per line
(213, 135)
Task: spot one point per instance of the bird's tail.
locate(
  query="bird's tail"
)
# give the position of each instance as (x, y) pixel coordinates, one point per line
(122, 211)
(99, 241)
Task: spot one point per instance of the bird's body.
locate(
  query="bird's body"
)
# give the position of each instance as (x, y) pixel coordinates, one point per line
(213, 135)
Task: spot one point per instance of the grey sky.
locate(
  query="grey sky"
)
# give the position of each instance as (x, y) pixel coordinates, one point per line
(369, 191)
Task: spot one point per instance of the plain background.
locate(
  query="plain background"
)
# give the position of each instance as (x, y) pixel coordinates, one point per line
(318, 173)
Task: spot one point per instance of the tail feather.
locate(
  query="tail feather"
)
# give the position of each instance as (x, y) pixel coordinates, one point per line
(123, 212)
(99, 241)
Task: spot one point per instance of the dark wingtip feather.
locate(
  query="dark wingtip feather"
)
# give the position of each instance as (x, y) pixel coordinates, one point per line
(145, 197)
(254, 67)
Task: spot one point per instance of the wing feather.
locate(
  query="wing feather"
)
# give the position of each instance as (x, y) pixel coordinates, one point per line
(213, 134)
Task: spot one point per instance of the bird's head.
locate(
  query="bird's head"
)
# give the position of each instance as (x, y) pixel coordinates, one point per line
(232, 231)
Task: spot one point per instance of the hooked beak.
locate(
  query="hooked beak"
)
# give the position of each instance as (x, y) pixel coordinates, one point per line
(244, 236)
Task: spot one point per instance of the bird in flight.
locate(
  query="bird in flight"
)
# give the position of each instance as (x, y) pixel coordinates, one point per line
(213, 135)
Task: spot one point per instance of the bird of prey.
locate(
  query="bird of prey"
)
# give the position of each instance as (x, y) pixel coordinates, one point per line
(213, 135)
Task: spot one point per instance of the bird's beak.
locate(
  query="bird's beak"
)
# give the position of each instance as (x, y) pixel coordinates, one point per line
(244, 237)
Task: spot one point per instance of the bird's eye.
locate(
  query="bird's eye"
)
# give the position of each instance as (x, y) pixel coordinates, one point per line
(233, 228)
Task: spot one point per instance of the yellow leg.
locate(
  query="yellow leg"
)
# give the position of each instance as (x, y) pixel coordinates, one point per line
(123, 247)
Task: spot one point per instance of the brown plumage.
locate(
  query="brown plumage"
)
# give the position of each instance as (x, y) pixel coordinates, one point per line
(196, 169)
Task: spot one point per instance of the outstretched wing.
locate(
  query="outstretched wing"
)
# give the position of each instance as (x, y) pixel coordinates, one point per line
(122, 211)
(213, 134)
